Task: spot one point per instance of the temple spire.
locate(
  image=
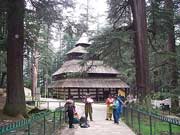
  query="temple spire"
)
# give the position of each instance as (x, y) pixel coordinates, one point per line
(84, 40)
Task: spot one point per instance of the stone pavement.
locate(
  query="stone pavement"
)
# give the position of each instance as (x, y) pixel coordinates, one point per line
(99, 126)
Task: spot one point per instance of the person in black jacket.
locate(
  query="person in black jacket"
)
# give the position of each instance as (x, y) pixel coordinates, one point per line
(70, 107)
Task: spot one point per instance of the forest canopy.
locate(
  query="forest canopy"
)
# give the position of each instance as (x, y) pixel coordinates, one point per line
(141, 40)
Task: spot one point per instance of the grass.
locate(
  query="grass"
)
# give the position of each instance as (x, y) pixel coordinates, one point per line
(36, 126)
(158, 127)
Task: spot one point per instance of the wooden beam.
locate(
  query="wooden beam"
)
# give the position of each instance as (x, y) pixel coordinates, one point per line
(96, 94)
(64, 93)
(69, 92)
(103, 93)
(79, 93)
(87, 90)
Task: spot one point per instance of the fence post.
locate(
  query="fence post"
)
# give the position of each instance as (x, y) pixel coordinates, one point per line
(127, 116)
(38, 103)
(154, 126)
(44, 125)
(139, 124)
(60, 117)
(170, 129)
(132, 117)
(64, 114)
(54, 120)
(150, 122)
(48, 104)
(29, 129)
(124, 112)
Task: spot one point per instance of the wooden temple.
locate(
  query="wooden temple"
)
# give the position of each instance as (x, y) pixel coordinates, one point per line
(95, 77)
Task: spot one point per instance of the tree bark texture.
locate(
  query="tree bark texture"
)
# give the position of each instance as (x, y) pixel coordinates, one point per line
(15, 101)
(141, 48)
(3, 5)
(171, 47)
(35, 73)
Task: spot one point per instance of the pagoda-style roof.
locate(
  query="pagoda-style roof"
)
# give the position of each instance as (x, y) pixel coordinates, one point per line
(89, 83)
(84, 40)
(99, 79)
(92, 66)
(78, 49)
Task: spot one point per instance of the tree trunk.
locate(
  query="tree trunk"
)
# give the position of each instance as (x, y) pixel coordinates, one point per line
(171, 47)
(3, 5)
(15, 101)
(35, 73)
(141, 48)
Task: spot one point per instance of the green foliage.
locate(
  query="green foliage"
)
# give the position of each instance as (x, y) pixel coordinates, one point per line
(39, 20)
(115, 48)
(158, 127)
(175, 107)
(160, 95)
(3, 58)
(68, 42)
(119, 13)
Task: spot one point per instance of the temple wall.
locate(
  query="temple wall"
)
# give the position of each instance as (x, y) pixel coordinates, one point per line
(78, 94)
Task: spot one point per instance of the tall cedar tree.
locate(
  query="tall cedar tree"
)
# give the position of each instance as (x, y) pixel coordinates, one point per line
(171, 42)
(15, 102)
(3, 33)
(141, 49)
(172, 49)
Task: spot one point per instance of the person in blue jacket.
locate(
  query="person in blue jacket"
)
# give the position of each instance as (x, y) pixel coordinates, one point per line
(120, 107)
(116, 106)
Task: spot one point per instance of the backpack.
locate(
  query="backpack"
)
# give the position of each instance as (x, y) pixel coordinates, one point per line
(83, 122)
(120, 99)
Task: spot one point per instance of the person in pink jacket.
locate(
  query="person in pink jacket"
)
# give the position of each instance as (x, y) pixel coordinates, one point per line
(109, 110)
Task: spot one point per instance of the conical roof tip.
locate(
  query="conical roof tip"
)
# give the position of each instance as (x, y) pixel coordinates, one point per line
(84, 39)
(78, 49)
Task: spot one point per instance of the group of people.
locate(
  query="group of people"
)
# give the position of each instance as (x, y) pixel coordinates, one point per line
(71, 111)
(114, 108)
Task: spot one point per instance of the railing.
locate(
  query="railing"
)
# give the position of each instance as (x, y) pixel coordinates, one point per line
(48, 104)
(43, 123)
(148, 123)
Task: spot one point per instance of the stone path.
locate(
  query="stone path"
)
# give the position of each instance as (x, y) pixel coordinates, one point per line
(99, 126)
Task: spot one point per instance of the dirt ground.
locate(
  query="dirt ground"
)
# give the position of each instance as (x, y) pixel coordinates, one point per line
(4, 119)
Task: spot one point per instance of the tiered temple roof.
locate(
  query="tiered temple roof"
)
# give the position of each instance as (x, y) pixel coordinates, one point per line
(98, 74)
(92, 66)
(89, 83)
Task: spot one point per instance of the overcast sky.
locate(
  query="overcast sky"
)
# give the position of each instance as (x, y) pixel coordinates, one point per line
(97, 8)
